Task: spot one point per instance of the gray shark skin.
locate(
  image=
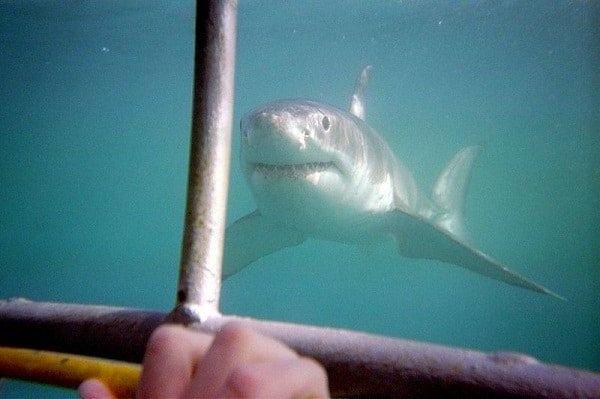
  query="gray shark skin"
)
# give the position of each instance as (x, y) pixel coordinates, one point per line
(319, 172)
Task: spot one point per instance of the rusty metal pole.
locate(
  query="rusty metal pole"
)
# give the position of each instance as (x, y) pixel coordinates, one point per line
(357, 364)
(202, 248)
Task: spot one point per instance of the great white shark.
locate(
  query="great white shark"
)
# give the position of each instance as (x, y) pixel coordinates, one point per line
(319, 172)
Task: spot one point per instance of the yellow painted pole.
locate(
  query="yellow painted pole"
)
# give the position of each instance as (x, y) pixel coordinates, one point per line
(68, 371)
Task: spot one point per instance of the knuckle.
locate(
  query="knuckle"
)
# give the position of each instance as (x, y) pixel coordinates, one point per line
(163, 338)
(234, 335)
(317, 371)
(245, 382)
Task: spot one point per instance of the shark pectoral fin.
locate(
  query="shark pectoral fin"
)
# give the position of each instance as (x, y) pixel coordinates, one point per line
(250, 238)
(418, 238)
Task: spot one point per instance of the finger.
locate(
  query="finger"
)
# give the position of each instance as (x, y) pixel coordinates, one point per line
(169, 362)
(94, 389)
(301, 378)
(233, 346)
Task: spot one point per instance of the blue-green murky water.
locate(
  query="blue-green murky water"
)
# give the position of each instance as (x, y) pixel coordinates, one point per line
(94, 130)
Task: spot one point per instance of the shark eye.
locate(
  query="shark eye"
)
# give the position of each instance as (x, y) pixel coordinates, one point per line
(326, 123)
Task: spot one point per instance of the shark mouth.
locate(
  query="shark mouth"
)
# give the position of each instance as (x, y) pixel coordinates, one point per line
(292, 171)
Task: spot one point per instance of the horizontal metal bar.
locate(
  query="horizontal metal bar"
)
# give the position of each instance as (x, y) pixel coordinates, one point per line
(357, 363)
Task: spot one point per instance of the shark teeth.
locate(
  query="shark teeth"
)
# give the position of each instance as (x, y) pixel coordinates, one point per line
(292, 171)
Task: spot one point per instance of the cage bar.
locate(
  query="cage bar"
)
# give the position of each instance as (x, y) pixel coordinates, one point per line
(357, 364)
(202, 248)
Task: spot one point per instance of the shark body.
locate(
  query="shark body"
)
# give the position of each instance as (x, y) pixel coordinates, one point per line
(316, 171)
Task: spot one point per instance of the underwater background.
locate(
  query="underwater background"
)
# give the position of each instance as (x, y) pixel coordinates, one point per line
(95, 104)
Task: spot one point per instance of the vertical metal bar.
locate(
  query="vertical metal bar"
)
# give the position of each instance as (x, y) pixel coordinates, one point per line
(202, 249)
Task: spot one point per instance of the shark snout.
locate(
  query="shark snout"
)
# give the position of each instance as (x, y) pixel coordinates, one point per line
(268, 127)
(283, 133)
(270, 132)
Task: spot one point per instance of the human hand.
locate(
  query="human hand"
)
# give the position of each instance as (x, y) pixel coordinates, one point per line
(235, 363)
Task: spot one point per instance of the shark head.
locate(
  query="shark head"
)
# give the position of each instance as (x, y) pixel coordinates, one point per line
(304, 159)
(294, 140)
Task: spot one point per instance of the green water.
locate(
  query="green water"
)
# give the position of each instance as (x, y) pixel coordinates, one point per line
(94, 130)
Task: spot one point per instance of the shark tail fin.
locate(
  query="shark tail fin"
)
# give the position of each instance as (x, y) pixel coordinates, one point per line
(450, 189)
(357, 102)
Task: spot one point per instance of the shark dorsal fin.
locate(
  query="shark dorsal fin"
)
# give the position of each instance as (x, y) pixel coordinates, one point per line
(357, 103)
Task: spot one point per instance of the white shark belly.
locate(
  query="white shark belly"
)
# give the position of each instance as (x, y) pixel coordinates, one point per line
(352, 217)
